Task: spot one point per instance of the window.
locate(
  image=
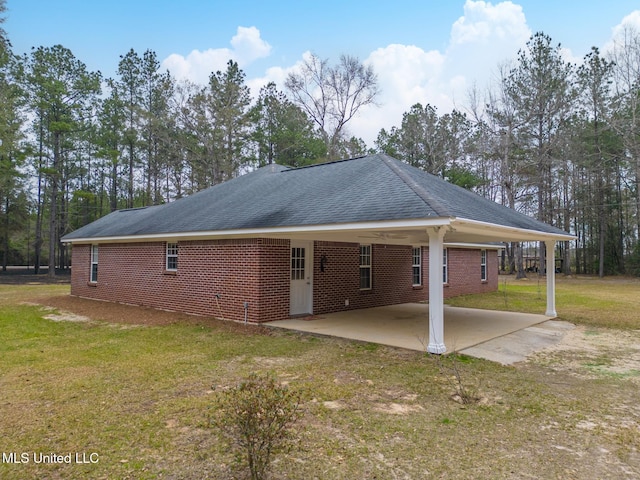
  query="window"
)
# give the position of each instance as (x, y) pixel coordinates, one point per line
(297, 263)
(172, 256)
(445, 270)
(365, 267)
(417, 265)
(94, 263)
(483, 265)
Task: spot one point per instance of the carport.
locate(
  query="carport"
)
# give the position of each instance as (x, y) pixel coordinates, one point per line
(495, 335)
(419, 209)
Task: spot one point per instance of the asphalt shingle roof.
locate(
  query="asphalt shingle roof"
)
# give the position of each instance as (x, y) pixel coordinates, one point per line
(365, 189)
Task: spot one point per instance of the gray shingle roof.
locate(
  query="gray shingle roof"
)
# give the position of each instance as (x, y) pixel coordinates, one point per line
(365, 189)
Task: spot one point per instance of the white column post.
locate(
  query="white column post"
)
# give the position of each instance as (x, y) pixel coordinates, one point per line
(551, 278)
(436, 296)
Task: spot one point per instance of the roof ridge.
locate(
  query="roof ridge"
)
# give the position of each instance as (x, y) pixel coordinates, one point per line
(424, 195)
(322, 164)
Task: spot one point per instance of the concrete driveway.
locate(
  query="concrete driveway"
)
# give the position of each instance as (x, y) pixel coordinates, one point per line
(504, 337)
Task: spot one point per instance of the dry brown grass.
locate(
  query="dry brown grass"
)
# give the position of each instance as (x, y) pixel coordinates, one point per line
(139, 394)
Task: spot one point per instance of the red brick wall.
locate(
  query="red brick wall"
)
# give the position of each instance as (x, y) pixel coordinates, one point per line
(275, 285)
(257, 271)
(254, 271)
(391, 277)
(464, 272)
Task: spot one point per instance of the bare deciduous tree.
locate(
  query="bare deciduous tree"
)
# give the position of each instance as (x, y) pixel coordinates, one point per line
(332, 95)
(626, 73)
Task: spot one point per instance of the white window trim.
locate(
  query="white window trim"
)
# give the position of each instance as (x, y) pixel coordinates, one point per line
(171, 251)
(483, 265)
(445, 266)
(365, 266)
(93, 274)
(417, 265)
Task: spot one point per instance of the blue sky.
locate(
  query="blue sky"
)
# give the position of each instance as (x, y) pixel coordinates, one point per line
(429, 51)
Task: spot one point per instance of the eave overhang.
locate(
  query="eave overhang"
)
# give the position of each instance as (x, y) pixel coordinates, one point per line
(405, 231)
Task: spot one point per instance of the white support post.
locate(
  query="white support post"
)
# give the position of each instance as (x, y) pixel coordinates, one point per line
(436, 296)
(551, 278)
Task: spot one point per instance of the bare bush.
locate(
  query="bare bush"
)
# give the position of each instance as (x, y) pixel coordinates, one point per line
(466, 391)
(255, 416)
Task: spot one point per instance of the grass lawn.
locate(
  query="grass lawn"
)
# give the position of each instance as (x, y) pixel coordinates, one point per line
(138, 397)
(613, 302)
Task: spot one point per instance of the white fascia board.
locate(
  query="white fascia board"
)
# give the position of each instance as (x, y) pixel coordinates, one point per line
(475, 246)
(272, 232)
(509, 233)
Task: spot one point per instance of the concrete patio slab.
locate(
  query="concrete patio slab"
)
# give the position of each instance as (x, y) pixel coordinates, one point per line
(516, 346)
(466, 330)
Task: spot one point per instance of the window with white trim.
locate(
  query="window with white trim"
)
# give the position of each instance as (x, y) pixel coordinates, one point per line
(94, 264)
(416, 254)
(483, 265)
(445, 270)
(365, 267)
(298, 260)
(172, 257)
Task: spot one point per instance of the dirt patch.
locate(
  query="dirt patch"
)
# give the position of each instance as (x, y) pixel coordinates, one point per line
(66, 317)
(334, 405)
(595, 352)
(118, 313)
(398, 408)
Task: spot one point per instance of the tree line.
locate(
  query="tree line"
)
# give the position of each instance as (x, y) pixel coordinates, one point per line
(553, 140)
(557, 141)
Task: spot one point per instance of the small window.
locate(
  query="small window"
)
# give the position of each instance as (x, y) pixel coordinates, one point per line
(483, 265)
(172, 256)
(365, 267)
(94, 263)
(417, 266)
(445, 270)
(298, 258)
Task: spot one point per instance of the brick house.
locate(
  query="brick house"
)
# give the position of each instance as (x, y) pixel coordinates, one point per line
(281, 242)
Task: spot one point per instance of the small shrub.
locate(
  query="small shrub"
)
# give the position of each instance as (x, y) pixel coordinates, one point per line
(465, 392)
(255, 416)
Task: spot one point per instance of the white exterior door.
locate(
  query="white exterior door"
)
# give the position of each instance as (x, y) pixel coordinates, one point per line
(301, 277)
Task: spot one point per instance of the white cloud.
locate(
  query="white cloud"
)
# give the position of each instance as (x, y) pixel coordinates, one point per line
(485, 36)
(407, 74)
(568, 56)
(408, 69)
(248, 46)
(198, 65)
(630, 23)
(277, 75)
(482, 38)
(483, 23)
